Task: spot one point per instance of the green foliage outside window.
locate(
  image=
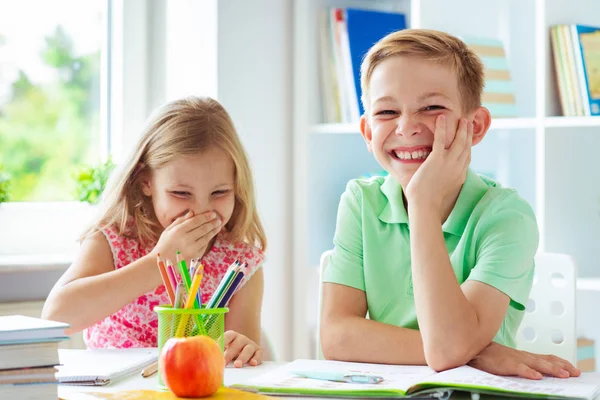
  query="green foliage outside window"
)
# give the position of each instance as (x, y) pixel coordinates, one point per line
(48, 129)
(4, 185)
(91, 182)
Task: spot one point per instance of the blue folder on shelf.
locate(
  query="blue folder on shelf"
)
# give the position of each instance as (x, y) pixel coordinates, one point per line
(365, 28)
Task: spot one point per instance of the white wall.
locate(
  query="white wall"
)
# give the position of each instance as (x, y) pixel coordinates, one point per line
(254, 84)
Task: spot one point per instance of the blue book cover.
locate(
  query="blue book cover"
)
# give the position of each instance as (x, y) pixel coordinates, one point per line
(365, 28)
(588, 45)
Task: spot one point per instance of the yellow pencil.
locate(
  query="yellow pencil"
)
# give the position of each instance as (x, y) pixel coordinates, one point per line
(189, 303)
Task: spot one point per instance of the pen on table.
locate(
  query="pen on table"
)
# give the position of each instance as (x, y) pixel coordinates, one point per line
(339, 377)
(150, 370)
(165, 278)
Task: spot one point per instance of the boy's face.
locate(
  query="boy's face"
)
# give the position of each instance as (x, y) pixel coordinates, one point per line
(406, 95)
(200, 182)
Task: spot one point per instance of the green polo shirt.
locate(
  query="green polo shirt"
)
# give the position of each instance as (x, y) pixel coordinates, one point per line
(491, 236)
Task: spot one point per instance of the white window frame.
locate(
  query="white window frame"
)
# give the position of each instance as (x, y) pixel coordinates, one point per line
(143, 69)
(46, 232)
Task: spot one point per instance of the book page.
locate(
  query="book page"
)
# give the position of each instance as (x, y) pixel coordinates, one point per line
(396, 378)
(582, 387)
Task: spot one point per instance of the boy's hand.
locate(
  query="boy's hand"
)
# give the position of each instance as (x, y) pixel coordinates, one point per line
(444, 170)
(501, 360)
(241, 349)
(190, 234)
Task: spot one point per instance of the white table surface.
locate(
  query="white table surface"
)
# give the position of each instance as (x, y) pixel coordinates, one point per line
(232, 376)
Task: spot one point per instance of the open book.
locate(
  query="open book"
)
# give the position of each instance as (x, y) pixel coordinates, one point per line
(400, 381)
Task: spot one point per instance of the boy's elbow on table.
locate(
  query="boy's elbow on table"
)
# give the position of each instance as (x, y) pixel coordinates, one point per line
(442, 357)
(333, 342)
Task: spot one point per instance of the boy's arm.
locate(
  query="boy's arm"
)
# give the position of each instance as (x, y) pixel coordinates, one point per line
(456, 322)
(91, 289)
(346, 334)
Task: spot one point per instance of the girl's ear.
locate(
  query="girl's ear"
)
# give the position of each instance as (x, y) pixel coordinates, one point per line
(145, 181)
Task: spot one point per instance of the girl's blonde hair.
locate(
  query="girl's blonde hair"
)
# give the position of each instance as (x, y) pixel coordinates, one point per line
(182, 127)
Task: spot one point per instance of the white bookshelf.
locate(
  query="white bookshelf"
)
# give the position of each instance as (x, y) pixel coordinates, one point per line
(550, 159)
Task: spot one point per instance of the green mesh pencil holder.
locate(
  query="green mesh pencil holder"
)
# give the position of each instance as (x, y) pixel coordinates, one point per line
(185, 322)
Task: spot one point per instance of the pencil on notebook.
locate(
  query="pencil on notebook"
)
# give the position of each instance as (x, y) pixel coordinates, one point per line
(165, 278)
(150, 370)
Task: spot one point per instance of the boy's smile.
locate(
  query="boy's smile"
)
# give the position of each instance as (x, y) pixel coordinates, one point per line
(406, 95)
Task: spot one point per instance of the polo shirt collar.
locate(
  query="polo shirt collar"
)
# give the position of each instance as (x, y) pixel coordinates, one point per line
(471, 193)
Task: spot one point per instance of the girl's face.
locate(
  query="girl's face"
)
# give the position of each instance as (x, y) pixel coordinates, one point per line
(199, 182)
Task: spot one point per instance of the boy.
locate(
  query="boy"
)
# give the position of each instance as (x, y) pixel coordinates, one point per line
(441, 258)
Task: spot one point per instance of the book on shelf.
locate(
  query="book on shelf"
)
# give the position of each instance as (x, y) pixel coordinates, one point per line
(401, 381)
(346, 35)
(499, 89)
(576, 58)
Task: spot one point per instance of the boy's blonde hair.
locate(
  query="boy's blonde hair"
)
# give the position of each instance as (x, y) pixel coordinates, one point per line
(182, 127)
(434, 46)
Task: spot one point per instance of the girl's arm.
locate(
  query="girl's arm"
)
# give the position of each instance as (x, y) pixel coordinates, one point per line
(245, 307)
(346, 334)
(91, 289)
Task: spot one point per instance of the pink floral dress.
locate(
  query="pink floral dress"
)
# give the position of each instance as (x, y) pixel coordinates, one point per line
(136, 324)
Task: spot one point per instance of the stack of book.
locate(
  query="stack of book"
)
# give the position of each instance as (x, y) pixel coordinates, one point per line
(28, 356)
(576, 53)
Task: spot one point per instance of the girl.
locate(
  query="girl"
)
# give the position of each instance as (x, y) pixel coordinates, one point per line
(188, 188)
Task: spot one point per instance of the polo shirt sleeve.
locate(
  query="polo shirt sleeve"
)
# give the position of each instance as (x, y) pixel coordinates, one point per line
(346, 262)
(506, 244)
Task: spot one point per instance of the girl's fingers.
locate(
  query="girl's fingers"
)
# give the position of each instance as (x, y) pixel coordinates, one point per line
(245, 355)
(257, 358)
(234, 349)
(206, 237)
(229, 337)
(180, 219)
(206, 228)
(199, 221)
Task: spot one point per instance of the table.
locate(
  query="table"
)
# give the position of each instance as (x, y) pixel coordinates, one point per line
(232, 376)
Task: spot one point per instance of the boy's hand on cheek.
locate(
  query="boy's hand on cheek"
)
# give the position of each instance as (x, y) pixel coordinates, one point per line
(505, 361)
(241, 350)
(444, 170)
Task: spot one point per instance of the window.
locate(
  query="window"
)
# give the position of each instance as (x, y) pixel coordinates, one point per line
(50, 94)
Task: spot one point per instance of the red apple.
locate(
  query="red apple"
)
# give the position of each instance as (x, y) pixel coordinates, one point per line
(192, 366)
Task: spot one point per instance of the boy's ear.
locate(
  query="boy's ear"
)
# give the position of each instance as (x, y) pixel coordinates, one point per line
(365, 131)
(482, 120)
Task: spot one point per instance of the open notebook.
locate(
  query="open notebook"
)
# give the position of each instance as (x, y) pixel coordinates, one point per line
(102, 366)
(401, 381)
